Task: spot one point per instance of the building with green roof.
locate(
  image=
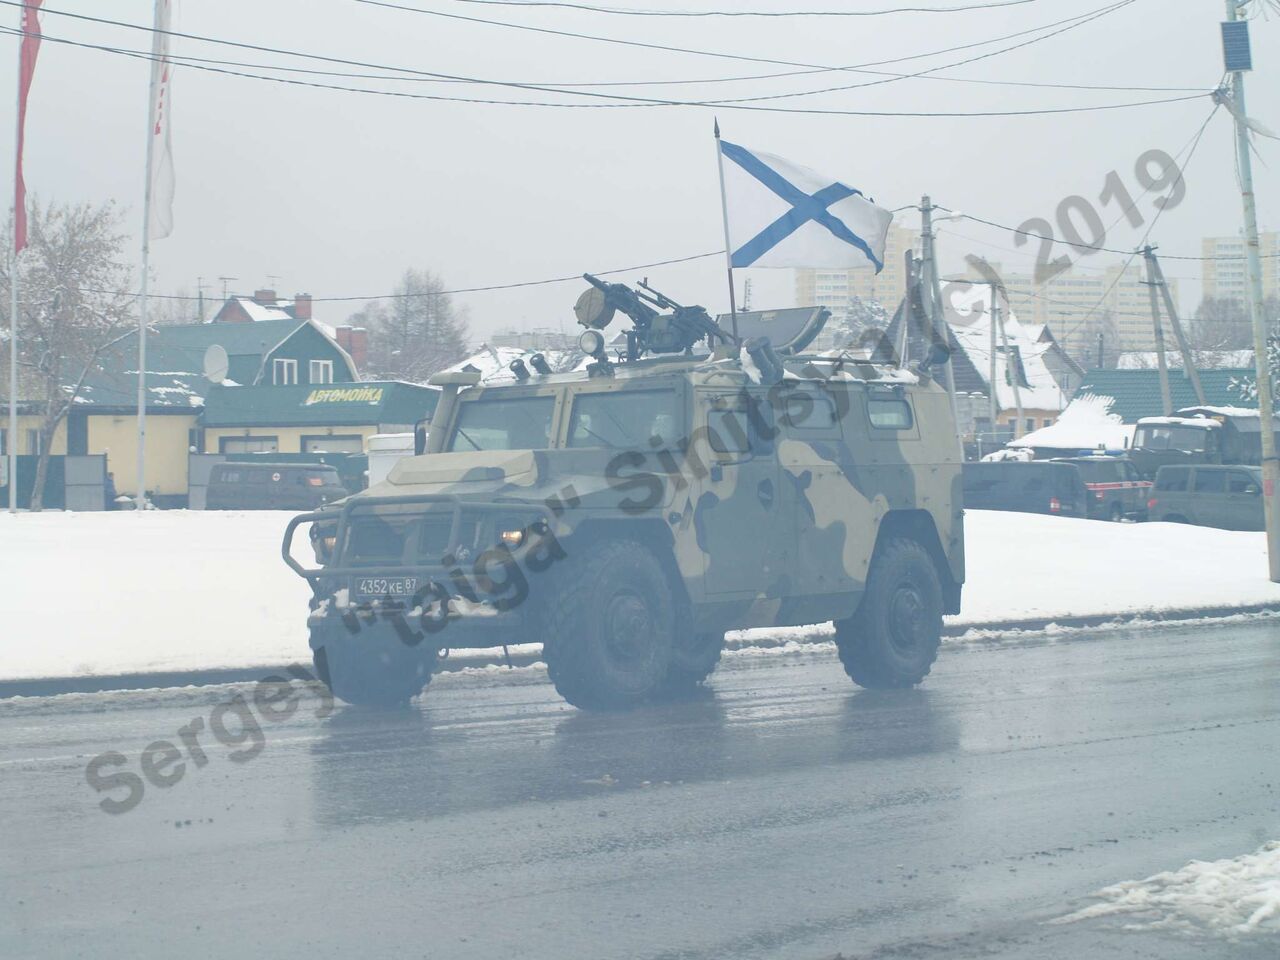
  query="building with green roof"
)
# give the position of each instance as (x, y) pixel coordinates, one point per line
(1136, 393)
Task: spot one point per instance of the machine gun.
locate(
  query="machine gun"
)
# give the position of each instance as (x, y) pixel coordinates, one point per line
(653, 331)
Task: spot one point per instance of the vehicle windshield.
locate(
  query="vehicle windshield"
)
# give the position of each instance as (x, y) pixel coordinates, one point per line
(1171, 437)
(624, 419)
(515, 423)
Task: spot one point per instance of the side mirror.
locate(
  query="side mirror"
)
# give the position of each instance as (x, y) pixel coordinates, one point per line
(420, 437)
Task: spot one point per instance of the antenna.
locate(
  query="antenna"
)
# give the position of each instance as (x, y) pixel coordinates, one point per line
(224, 285)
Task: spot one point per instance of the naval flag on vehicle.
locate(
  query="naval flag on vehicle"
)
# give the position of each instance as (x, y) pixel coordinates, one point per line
(780, 214)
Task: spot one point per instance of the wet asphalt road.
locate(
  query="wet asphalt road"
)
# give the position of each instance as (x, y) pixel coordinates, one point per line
(783, 814)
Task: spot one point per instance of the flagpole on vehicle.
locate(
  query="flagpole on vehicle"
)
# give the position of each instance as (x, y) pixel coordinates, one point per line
(728, 250)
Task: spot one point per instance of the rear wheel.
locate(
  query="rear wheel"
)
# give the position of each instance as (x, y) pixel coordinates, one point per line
(371, 668)
(1117, 513)
(892, 639)
(609, 634)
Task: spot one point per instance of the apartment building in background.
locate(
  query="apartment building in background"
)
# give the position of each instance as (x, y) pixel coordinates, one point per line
(1075, 303)
(834, 289)
(1223, 270)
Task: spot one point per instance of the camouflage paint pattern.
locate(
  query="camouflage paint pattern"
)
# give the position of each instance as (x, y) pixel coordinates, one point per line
(778, 534)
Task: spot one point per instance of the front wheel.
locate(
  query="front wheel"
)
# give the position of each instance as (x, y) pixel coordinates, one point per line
(609, 633)
(892, 640)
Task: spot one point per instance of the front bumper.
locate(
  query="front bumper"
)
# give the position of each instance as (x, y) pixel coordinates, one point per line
(484, 605)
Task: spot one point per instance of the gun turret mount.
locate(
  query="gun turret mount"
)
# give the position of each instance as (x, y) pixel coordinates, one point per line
(652, 331)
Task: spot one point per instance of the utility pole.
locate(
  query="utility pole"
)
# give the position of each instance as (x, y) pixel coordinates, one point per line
(938, 321)
(1150, 283)
(1012, 371)
(1099, 364)
(993, 320)
(1235, 43)
(200, 299)
(1189, 370)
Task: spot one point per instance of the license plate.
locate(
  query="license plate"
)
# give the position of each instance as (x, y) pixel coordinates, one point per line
(367, 587)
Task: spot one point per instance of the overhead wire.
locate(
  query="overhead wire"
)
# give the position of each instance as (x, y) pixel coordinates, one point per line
(808, 68)
(634, 12)
(634, 101)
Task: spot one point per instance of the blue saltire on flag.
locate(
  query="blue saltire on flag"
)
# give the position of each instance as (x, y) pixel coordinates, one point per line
(783, 215)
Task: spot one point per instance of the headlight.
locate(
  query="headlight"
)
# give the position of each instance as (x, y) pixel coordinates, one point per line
(512, 538)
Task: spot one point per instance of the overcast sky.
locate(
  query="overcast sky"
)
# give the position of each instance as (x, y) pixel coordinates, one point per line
(337, 193)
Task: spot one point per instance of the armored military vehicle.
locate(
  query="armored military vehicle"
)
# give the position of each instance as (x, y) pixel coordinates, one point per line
(699, 480)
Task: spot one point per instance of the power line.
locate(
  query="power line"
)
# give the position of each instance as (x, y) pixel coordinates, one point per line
(809, 68)
(628, 12)
(1191, 152)
(440, 293)
(630, 101)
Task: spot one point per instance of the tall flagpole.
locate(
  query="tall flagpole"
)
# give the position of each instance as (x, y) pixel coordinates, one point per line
(728, 250)
(140, 500)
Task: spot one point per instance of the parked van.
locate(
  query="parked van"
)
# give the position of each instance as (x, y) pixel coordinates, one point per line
(1209, 496)
(272, 486)
(1027, 487)
(1116, 489)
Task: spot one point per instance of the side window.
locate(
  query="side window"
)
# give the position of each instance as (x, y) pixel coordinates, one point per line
(1175, 480)
(1210, 481)
(1239, 482)
(889, 413)
(807, 411)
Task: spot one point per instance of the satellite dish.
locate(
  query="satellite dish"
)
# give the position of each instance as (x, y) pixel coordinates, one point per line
(216, 363)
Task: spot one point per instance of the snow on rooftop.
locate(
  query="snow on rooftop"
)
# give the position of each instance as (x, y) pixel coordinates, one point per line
(258, 311)
(1086, 424)
(492, 362)
(970, 321)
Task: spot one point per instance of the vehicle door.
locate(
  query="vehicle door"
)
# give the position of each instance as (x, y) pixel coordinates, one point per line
(1242, 503)
(1209, 497)
(738, 510)
(826, 490)
(1136, 490)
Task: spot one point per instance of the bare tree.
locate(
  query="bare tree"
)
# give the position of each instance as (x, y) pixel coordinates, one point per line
(415, 333)
(73, 306)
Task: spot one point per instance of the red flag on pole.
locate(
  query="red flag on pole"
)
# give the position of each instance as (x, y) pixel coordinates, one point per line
(26, 69)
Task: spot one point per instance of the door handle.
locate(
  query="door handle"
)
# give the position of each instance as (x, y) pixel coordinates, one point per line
(764, 490)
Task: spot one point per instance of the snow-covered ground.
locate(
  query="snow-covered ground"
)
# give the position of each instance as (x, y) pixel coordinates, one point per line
(112, 593)
(1233, 898)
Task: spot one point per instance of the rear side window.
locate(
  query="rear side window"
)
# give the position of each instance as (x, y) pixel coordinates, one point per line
(1239, 482)
(1210, 481)
(889, 413)
(1172, 478)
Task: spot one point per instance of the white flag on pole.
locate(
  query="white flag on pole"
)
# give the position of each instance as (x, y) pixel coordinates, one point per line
(781, 214)
(161, 184)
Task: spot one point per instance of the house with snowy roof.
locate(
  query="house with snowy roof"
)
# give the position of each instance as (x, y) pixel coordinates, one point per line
(1033, 376)
(289, 387)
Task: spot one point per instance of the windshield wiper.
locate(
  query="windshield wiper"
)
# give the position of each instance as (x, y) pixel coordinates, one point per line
(463, 434)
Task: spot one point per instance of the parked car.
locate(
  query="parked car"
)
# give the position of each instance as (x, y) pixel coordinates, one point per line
(1117, 490)
(1209, 496)
(272, 486)
(1042, 486)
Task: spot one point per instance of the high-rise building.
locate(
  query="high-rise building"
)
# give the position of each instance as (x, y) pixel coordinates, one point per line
(1078, 305)
(834, 289)
(1225, 272)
